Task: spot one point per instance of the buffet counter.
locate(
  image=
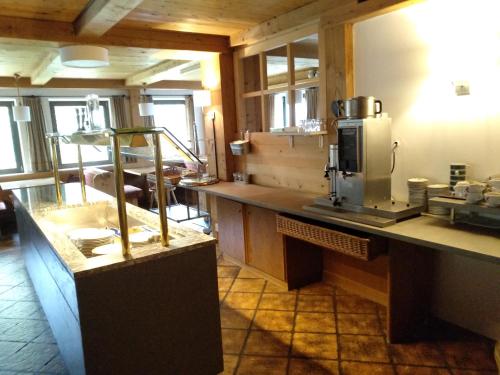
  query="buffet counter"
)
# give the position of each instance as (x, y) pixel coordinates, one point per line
(149, 312)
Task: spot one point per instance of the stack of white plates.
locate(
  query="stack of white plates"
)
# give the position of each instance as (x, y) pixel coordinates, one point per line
(87, 239)
(438, 190)
(417, 191)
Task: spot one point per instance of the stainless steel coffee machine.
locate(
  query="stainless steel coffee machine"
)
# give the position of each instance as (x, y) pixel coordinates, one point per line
(359, 170)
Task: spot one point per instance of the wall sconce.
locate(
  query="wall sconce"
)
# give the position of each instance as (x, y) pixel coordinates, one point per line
(145, 109)
(21, 112)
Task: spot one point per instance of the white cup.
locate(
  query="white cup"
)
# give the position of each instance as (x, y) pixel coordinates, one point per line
(494, 183)
(492, 199)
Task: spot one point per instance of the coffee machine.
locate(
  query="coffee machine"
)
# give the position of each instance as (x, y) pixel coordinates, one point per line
(359, 174)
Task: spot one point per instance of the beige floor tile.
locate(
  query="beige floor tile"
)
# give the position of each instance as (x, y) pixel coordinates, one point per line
(275, 288)
(227, 271)
(232, 340)
(240, 319)
(472, 372)
(413, 370)
(248, 274)
(315, 345)
(238, 300)
(319, 289)
(273, 320)
(230, 362)
(355, 304)
(363, 348)
(421, 354)
(222, 295)
(248, 285)
(268, 343)
(470, 355)
(300, 366)
(357, 324)
(225, 283)
(355, 368)
(262, 366)
(278, 301)
(315, 303)
(315, 322)
(221, 261)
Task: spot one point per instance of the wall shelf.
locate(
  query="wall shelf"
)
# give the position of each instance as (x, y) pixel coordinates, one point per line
(291, 140)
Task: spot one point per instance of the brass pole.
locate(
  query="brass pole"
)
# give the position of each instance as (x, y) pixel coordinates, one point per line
(82, 176)
(55, 169)
(120, 195)
(160, 189)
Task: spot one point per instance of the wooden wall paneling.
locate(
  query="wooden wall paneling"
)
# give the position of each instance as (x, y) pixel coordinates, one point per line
(134, 99)
(304, 262)
(409, 290)
(238, 82)
(253, 114)
(291, 82)
(264, 244)
(251, 72)
(336, 66)
(229, 116)
(366, 278)
(272, 162)
(264, 98)
(231, 234)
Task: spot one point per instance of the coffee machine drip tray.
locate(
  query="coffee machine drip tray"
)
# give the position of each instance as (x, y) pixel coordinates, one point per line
(380, 215)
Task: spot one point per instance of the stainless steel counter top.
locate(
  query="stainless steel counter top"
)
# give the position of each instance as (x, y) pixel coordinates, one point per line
(428, 231)
(55, 222)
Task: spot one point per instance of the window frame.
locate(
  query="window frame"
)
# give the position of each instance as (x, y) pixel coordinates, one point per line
(176, 100)
(16, 141)
(83, 103)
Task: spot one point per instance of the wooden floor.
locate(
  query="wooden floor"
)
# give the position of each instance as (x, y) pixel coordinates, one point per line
(266, 330)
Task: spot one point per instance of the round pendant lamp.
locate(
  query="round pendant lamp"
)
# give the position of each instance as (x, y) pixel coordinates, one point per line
(20, 112)
(145, 109)
(79, 56)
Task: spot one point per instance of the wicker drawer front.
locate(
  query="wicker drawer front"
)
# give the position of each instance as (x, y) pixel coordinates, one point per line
(341, 242)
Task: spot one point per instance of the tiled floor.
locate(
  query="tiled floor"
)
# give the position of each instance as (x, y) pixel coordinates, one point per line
(266, 330)
(324, 330)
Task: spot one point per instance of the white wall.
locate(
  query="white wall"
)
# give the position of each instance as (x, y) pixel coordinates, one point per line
(409, 59)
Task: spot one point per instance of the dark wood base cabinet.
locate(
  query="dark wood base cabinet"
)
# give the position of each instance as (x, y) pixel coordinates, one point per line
(158, 316)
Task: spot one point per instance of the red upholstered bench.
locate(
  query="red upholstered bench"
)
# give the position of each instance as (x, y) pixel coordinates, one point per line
(104, 181)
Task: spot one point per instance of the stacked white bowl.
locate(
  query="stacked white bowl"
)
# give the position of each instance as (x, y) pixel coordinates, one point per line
(492, 197)
(438, 190)
(417, 191)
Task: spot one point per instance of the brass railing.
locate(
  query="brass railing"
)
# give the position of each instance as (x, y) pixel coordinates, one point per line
(130, 137)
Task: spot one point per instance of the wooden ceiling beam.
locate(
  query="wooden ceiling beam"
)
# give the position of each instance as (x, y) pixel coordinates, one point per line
(155, 73)
(74, 83)
(63, 32)
(335, 11)
(46, 69)
(101, 15)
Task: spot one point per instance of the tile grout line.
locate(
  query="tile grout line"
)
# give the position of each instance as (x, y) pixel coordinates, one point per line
(290, 349)
(249, 329)
(386, 342)
(335, 312)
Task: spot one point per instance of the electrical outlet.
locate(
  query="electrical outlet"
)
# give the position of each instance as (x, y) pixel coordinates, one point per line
(462, 88)
(216, 227)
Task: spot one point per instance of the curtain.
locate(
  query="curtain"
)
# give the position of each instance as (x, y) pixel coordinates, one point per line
(191, 124)
(149, 121)
(119, 111)
(312, 102)
(38, 144)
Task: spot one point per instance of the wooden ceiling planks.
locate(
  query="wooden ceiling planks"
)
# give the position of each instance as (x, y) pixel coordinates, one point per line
(52, 10)
(219, 17)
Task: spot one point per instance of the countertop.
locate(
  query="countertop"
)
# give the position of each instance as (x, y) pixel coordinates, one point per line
(425, 230)
(27, 183)
(53, 221)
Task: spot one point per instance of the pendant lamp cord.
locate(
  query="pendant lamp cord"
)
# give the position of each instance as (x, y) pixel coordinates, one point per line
(16, 78)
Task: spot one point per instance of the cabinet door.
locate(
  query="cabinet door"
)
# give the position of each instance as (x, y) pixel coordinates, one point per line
(264, 244)
(231, 228)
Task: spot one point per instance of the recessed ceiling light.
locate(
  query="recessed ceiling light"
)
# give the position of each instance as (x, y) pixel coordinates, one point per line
(84, 56)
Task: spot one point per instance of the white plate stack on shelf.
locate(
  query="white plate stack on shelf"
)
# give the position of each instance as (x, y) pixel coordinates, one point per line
(438, 190)
(417, 191)
(87, 239)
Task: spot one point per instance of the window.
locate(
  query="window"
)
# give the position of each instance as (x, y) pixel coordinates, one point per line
(11, 160)
(171, 114)
(65, 121)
